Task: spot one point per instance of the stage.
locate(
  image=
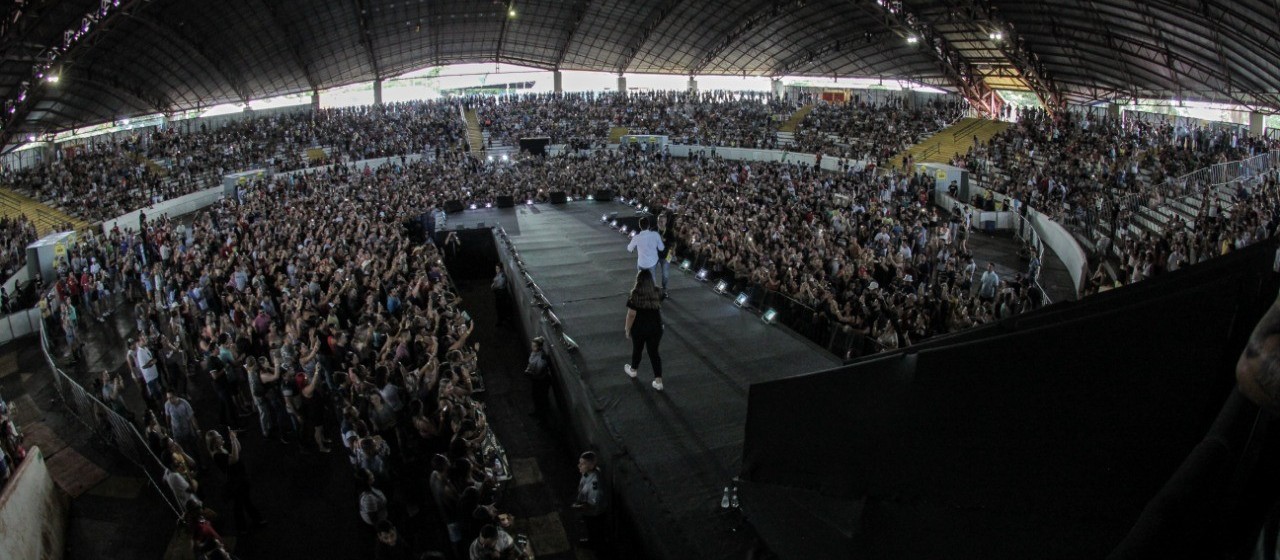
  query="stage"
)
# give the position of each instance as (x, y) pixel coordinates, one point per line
(668, 455)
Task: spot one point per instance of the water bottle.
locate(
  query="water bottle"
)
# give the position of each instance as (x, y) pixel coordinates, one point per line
(724, 499)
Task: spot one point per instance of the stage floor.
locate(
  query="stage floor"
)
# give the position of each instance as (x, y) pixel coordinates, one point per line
(680, 447)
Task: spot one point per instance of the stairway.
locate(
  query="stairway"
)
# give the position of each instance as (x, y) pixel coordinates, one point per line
(474, 137)
(46, 218)
(793, 122)
(951, 141)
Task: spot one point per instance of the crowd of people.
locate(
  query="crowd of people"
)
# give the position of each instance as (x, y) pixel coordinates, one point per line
(132, 171)
(15, 234)
(715, 118)
(873, 131)
(1085, 170)
(320, 320)
(12, 450)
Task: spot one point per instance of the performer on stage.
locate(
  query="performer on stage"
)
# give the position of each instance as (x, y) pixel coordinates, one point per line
(644, 324)
(646, 245)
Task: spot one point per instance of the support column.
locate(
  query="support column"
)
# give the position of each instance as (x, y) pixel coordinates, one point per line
(1113, 111)
(315, 100)
(622, 84)
(557, 79)
(693, 85)
(377, 91)
(1257, 124)
(776, 86)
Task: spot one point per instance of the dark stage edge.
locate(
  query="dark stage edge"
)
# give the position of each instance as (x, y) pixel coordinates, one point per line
(668, 454)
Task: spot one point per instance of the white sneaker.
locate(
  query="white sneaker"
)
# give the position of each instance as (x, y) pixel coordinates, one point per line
(657, 383)
(631, 372)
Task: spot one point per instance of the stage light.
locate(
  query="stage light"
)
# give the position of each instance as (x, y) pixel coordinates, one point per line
(702, 275)
(571, 199)
(996, 36)
(741, 300)
(623, 229)
(769, 316)
(722, 286)
(490, 158)
(912, 40)
(473, 206)
(504, 157)
(645, 209)
(613, 224)
(488, 205)
(604, 218)
(52, 78)
(633, 234)
(591, 197)
(569, 344)
(529, 202)
(686, 265)
(555, 321)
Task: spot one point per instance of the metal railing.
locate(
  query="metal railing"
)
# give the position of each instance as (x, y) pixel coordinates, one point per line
(108, 426)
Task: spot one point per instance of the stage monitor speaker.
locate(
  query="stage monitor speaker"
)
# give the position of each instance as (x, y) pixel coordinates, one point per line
(558, 197)
(535, 146)
(453, 206)
(506, 202)
(604, 195)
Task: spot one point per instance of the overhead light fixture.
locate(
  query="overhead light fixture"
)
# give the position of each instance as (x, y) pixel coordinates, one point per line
(51, 78)
(741, 300)
(769, 316)
(912, 39)
(702, 275)
(722, 287)
(686, 265)
(996, 36)
(511, 13)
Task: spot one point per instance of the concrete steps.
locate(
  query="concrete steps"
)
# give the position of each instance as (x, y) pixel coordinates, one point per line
(793, 122)
(47, 219)
(474, 136)
(950, 142)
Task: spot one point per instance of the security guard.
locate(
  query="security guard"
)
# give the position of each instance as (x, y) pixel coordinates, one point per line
(593, 501)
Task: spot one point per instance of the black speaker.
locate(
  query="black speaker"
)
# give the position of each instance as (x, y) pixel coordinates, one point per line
(506, 202)
(535, 146)
(604, 195)
(453, 206)
(558, 197)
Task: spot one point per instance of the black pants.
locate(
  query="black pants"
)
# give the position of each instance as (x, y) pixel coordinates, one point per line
(647, 341)
(541, 396)
(246, 514)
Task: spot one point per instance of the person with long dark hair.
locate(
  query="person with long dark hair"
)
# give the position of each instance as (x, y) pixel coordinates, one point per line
(644, 325)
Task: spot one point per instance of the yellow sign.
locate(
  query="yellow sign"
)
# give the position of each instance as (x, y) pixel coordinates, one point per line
(941, 175)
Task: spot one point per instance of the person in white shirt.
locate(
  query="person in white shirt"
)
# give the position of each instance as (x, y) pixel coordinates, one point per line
(646, 245)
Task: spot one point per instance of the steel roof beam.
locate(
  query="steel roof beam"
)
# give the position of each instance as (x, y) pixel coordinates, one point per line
(652, 22)
(581, 8)
(771, 9)
(366, 38)
(293, 41)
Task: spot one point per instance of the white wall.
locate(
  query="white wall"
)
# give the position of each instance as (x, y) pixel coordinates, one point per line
(752, 154)
(33, 513)
(1064, 245)
(173, 207)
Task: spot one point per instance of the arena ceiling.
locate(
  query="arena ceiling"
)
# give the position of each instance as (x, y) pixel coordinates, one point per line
(145, 56)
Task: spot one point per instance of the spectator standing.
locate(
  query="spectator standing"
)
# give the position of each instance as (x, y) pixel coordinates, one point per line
(539, 372)
(644, 325)
(646, 245)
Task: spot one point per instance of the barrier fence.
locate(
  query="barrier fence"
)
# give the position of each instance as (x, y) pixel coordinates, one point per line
(108, 426)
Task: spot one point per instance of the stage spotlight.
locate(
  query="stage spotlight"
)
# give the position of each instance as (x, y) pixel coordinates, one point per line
(490, 158)
(473, 206)
(633, 234)
(741, 300)
(613, 224)
(571, 199)
(722, 287)
(623, 229)
(702, 275)
(686, 265)
(488, 205)
(604, 218)
(504, 157)
(591, 197)
(912, 40)
(645, 209)
(769, 316)
(529, 202)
